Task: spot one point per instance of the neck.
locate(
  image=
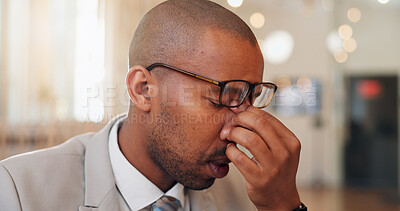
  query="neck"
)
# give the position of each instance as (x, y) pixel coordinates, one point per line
(132, 142)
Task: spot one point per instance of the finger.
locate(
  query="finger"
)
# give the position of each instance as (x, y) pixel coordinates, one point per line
(254, 143)
(280, 128)
(262, 127)
(291, 141)
(244, 164)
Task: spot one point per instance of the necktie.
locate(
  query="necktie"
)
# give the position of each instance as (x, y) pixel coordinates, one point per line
(166, 203)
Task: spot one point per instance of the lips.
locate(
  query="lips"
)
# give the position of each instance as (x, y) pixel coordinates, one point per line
(219, 167)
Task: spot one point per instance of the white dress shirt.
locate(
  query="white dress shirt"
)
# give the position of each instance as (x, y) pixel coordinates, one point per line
(135, 188)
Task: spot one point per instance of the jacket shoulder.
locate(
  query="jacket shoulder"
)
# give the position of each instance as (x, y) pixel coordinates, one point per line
(43, 177)
(9, 199)
(73, 147)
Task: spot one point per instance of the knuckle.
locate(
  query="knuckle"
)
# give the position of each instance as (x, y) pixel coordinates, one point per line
(241, 160)
(274, 171)
(261, 120)
(264, 174)
(250, 140)
(267, 115)
(264, 182)
(285, 154)
(296, 145)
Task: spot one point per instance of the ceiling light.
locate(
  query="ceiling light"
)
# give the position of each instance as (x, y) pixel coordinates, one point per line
(278, 47)
(383, 1)
(235, 3)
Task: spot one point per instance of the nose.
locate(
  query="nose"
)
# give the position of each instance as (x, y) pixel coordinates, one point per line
(223, 135)
(228, 124)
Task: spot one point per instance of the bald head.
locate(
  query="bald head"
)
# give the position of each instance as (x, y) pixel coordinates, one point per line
(172, 31)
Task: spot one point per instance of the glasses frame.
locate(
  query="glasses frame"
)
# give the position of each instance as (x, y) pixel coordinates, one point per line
(221, 84)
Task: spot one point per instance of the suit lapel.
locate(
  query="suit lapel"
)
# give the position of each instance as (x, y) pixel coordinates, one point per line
(100, 190)
(101, 193)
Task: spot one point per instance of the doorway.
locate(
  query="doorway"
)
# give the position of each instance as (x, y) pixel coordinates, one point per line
(371, 153)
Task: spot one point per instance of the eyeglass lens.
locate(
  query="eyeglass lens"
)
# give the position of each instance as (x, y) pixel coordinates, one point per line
(262, 95)
(234, 93)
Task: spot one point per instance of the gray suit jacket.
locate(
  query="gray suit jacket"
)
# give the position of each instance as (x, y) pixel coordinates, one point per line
(77, 175)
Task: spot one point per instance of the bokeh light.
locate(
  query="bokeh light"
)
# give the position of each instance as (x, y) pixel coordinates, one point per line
(383, 1)
(257, 20)
(334, 42)
(278, 47)
(304, 84)
(350, 45)
(354, 15)
(345, 31)
(341, 56)
(284, 82)
(235, 3)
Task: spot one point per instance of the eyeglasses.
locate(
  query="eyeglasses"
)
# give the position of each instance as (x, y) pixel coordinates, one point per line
(233, 92)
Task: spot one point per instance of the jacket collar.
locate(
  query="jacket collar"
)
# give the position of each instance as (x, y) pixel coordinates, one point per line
(100, 188)
(99, 177)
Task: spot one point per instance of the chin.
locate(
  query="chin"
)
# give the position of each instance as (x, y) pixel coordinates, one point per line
(200, 184)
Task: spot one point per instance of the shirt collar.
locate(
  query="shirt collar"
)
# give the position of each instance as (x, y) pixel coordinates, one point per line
(135, 188)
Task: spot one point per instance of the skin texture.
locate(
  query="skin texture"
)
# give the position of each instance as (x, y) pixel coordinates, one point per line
(173, 28)
(167, 147)
(184, 145)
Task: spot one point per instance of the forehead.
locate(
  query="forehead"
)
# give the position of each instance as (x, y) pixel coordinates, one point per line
(222, 56)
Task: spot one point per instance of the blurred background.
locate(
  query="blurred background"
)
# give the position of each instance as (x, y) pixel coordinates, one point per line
(336, 62)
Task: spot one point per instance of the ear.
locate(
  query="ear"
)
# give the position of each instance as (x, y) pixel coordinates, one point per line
(138, 82)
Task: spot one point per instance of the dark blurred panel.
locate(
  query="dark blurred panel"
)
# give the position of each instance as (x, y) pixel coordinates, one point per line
(372, 148)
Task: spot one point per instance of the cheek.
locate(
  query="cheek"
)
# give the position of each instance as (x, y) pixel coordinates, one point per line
(202, 127)
(189, 95)
(200, 119)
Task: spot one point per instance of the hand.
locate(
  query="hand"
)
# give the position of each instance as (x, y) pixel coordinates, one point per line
(271, 174)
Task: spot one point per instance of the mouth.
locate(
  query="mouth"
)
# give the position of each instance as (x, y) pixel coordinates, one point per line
(219, 167)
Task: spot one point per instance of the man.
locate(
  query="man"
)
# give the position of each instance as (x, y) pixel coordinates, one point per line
(195, 82)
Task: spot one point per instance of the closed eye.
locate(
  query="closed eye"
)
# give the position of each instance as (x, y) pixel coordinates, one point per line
(216, 105)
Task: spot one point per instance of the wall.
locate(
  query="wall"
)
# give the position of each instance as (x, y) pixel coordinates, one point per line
(320, 162)
(309, 23)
